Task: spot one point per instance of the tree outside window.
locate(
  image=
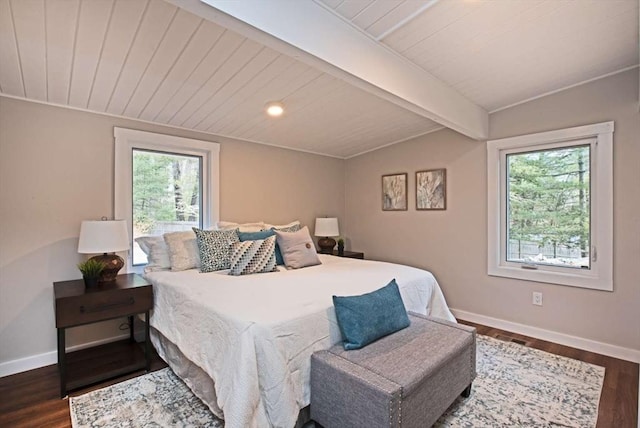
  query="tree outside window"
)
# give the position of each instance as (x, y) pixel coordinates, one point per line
(548, 207)
(166, 194)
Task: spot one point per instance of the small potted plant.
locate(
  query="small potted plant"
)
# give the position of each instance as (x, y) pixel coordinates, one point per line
(91, 270)
(341, 247)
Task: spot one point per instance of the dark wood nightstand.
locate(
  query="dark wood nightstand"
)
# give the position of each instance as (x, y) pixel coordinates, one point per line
(349, 254)
(77, 305)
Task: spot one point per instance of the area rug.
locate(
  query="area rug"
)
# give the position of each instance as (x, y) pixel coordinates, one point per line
(516, 386)
(157, 399)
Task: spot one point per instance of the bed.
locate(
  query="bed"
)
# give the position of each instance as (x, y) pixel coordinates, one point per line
(243, 344)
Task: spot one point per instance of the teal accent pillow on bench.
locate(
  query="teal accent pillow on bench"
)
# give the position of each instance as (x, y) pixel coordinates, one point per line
(366, 318)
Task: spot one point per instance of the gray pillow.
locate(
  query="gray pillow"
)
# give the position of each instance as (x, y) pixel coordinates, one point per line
(298, 249)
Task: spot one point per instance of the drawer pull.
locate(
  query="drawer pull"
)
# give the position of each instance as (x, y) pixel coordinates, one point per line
(99, 308)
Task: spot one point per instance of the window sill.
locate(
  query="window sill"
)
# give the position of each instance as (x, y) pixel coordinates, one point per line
(582, 279)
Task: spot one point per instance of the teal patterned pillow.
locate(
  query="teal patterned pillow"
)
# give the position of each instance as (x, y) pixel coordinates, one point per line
(292, 228)
(255, 256)
(215, 247)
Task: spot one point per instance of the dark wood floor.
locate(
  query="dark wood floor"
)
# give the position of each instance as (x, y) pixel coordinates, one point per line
(31, 399)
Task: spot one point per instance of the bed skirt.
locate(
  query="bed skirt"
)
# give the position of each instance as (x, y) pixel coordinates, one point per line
(197, 379)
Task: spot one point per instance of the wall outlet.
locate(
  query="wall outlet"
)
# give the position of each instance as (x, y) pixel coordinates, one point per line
(537, 298)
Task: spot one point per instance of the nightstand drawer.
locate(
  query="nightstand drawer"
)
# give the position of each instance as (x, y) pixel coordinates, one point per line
(92, 307)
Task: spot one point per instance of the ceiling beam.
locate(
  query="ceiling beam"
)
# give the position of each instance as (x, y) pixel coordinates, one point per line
(314, 35)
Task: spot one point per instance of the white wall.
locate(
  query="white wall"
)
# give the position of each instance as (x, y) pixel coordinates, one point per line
(56, 169)
(453, 243)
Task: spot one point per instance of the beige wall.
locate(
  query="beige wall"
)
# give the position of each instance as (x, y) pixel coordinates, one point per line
(453, 243)
(56, 169)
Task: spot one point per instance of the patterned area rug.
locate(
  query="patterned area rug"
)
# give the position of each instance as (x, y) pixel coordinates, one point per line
(516, 386)
(157, 399)
(520, 386)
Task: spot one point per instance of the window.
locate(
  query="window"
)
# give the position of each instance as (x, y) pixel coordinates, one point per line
(166, 195)
(163, 184)
(550, 207)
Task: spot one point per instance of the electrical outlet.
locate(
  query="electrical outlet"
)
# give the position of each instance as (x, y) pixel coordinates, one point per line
(537, 298)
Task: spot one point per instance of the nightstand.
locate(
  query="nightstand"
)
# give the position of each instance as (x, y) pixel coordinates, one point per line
(349, 254)
(77, 305)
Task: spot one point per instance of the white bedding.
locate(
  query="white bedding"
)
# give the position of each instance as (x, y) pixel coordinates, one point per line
(254, 335)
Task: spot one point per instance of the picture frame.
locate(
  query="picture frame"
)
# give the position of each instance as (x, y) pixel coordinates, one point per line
(394, 192)
(431, 189)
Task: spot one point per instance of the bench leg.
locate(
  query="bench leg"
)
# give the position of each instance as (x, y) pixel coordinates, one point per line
(467, 391)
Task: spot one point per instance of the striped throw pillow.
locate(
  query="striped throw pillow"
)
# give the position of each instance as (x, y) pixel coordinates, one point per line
(253, 256)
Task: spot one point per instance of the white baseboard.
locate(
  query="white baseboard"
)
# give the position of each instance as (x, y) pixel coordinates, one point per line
(615, 351)
(48, 358)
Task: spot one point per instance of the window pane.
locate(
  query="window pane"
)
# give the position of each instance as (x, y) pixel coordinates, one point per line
(166, 195)
(548, 207)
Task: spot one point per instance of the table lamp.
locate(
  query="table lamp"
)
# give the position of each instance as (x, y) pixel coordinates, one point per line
(105, 236)
(327, 227)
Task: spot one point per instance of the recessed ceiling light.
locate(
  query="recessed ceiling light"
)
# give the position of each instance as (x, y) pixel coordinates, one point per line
(275, 108)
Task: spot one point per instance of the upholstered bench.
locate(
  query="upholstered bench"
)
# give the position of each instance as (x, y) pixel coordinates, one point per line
(406, 379)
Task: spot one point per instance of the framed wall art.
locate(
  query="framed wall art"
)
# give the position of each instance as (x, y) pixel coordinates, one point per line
(431, 189)
(394, 192)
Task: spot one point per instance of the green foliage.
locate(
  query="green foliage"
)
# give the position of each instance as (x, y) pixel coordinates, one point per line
(91, 268)
(549, 197)
(165, 188)
(341, 241)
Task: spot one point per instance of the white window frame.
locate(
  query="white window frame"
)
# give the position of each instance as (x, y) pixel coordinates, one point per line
(600, 274)
(126, 140)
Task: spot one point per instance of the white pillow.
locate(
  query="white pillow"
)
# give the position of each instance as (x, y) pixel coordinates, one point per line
(157, 253)
(183, 250)
(242, 227)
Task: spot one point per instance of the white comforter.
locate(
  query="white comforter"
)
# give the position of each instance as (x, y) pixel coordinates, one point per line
(254, 335)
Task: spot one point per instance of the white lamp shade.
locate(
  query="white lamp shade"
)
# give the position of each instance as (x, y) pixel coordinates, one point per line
(103, 236)
(327, 226)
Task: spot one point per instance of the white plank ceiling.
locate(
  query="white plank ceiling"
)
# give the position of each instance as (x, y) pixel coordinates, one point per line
(151, 60)
(501, 52)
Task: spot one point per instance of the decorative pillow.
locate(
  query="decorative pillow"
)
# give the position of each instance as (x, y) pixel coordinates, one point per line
(157, 253)
(366, 318)
(254, 256)
(298, 249)
(252, 236)
(244, 227)
(291, 227)
(294, 228)
(215, 247)
(183, 250)
(294, 225)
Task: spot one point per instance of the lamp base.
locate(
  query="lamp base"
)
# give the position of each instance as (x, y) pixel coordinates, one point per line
(326, 245)
(112, 265)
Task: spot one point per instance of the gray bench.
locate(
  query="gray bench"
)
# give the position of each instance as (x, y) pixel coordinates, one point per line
(406, 379)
